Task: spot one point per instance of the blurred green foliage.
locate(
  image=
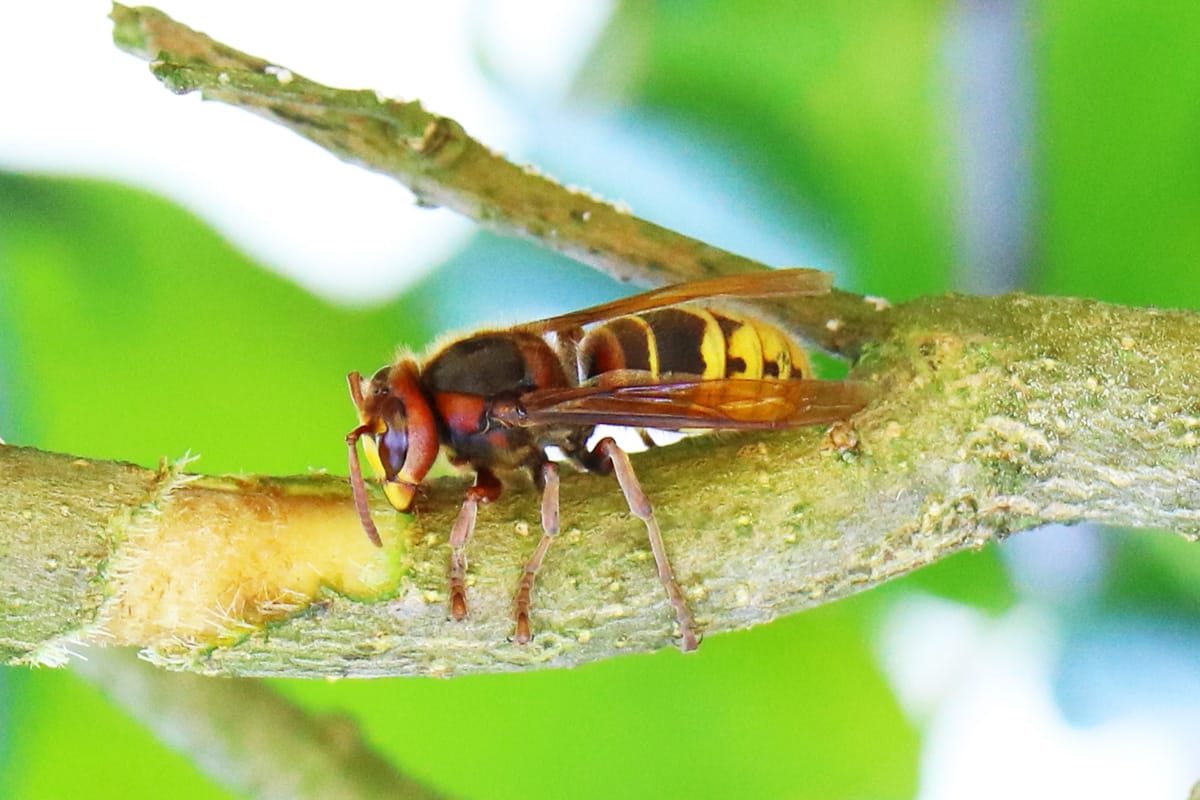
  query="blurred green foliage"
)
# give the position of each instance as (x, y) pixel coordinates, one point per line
(1119, 145)
(128, 330)
(837, 105)
(139, 333)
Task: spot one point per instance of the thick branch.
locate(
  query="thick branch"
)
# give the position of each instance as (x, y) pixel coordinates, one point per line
(994, 415)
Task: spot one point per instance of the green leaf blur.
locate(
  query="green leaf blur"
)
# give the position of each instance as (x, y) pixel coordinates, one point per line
(835, 104)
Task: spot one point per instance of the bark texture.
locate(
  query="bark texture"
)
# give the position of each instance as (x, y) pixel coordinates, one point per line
(993, 415)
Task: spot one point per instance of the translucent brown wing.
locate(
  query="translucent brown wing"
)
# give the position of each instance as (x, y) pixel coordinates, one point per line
(769, 283)
(724, 404)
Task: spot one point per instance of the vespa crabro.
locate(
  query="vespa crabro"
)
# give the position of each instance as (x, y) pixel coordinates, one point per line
(665, 359)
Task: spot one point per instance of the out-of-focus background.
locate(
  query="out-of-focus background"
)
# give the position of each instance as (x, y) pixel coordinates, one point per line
(178, 276)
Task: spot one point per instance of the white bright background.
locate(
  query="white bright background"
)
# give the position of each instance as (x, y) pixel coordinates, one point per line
(982, 688)
(343, 232)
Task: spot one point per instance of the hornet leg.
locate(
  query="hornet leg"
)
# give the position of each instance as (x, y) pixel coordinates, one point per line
(486, 489)
(639, 504)
(548, 481)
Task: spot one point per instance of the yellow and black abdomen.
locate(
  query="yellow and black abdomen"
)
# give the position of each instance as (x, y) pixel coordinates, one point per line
(695, 341)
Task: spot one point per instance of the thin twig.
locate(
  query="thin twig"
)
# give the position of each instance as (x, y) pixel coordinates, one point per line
(443, 166)
(248, 738)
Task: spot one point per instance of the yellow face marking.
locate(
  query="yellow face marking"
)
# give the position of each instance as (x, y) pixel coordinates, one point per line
(371, 451)
(400, 495)
(398, 492)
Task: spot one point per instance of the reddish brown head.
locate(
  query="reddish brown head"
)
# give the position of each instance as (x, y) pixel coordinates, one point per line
(399, 436)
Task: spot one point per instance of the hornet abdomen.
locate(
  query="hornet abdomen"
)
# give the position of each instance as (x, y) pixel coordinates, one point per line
(694, 341)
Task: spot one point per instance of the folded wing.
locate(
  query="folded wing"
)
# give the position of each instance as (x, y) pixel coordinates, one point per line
(726, 404)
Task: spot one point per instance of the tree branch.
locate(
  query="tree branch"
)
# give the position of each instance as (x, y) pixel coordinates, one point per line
(994, 415)
(248, 738)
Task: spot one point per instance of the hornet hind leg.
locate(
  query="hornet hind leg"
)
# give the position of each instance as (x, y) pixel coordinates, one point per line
(608, 455)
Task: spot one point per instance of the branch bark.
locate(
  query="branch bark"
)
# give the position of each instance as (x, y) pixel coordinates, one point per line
(994, 415)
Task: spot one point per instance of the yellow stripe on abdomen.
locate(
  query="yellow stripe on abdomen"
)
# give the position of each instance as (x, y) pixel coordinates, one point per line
(743, 346)
(782, 358)
(758, 349)
(693, 340)
(687, 341)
